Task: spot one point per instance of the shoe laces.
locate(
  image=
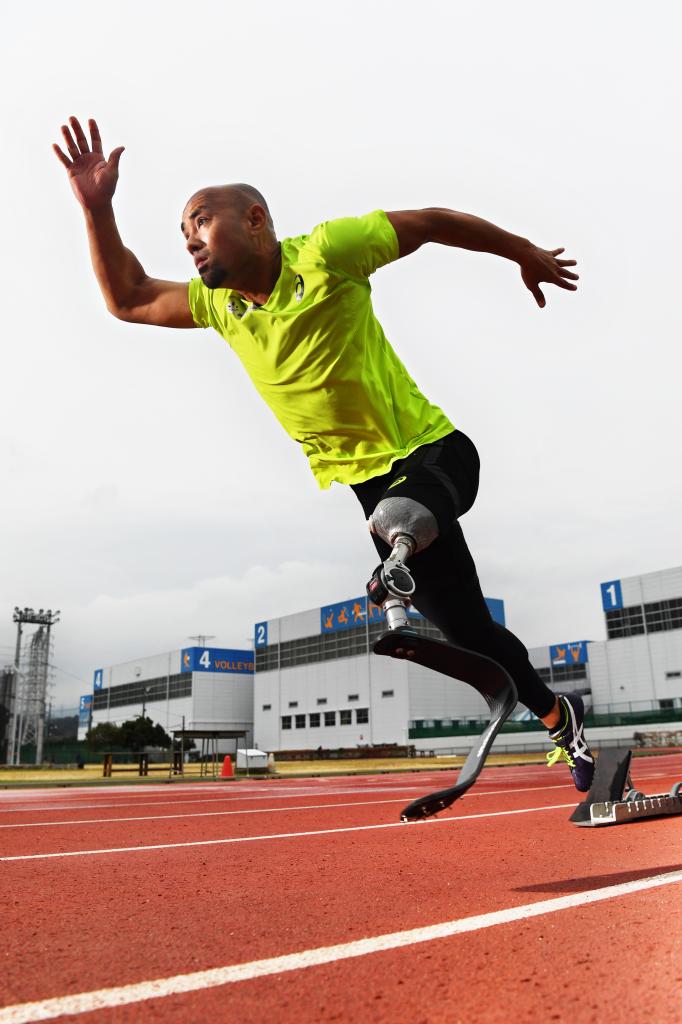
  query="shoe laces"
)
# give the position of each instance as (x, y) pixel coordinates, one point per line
(555, 755)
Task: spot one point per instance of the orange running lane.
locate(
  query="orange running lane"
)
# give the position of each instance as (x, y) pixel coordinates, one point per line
(82, 923)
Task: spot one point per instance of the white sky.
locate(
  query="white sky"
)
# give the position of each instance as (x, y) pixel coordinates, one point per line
(148, 493)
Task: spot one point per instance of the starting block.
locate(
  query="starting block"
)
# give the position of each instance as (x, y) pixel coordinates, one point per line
(613, 799)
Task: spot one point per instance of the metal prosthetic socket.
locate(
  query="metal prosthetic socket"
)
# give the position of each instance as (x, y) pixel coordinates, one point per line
(409, 527)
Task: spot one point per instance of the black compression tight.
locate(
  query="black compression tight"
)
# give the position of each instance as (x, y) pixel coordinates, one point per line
(448, 592)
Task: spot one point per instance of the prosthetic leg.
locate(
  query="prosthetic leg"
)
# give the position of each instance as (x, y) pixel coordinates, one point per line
(409, 527)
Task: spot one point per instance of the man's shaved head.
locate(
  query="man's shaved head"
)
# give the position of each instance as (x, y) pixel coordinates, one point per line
(231, 237)
(238, 196)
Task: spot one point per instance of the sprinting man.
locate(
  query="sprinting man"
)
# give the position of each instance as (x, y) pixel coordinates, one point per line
(299, 316)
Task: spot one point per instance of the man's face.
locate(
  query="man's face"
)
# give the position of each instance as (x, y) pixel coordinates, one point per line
(218, 240)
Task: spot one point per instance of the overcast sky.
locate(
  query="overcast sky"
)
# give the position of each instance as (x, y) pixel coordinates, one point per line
(149, 493)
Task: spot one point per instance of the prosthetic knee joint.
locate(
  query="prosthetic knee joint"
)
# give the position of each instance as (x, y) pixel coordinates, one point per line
(409, 527)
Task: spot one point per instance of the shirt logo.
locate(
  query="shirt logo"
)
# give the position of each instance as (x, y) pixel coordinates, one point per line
(400, 480)
(233, 308)
(299, 287)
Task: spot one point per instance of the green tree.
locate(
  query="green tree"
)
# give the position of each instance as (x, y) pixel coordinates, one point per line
(138, 733)
(104, 736)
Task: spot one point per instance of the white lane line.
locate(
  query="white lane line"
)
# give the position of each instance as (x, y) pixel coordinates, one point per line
(280, 835)
(480, 792)
(122, 995)
(291, 794)
(259, 810)
(204, 814)
(295, 795)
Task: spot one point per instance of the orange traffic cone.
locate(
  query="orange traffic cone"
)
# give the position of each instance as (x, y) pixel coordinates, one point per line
(226, 772)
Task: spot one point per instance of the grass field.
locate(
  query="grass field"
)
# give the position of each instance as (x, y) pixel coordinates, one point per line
(69, 775)
(92, 774)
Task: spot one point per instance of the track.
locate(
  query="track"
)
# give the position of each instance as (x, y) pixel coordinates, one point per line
(306, 900)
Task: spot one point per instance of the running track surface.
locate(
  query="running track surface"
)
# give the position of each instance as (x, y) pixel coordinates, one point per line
(306, 900)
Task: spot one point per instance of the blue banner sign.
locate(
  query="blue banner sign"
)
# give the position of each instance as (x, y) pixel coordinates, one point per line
(611, 595)
(359, 610)
(98, 679)
(569, 654)
(260, 634)
(216, 659)
(84, 709)
(496, 609)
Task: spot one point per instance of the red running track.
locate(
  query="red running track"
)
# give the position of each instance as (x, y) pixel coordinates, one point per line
(169, 881)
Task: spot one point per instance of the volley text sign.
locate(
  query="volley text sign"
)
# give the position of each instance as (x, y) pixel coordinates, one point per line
(216, 659)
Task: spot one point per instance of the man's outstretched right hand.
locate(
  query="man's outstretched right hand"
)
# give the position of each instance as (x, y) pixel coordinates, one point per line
(129, 292)
(93, 179)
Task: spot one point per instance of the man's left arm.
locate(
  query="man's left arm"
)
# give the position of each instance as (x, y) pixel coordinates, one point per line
(448, 227)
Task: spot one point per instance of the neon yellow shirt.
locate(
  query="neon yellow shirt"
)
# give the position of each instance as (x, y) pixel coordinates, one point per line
(319, 357)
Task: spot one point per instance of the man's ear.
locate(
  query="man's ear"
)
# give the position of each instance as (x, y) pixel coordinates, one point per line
(256, 217)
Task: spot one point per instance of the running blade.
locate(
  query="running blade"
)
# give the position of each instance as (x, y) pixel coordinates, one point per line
(426, 806)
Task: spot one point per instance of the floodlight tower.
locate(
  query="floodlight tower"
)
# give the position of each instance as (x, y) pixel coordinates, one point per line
(29, 690)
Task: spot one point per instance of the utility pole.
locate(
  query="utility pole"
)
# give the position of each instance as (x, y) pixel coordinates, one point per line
(201, 639)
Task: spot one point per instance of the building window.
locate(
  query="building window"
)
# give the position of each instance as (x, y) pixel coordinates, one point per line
(663, 615)
(144, 691)
(362, 716)
(563, 673)
(666, 704)
(286, 721)
(330, 718)
(321, 700)
(353, 696)
(267, 658)
(387, 693)
(346, 643)
(625, 622)
(315, 720)
(267, 707)
(345, 717)
(293, 703)
(673, 675)
(300, 721)
(654, 617)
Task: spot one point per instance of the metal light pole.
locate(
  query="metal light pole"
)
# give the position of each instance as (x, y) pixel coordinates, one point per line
(14, 691)
(31, 714)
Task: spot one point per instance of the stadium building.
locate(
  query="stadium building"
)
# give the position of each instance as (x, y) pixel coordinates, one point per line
(313, 682)
(317, 683)
(193, 688)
